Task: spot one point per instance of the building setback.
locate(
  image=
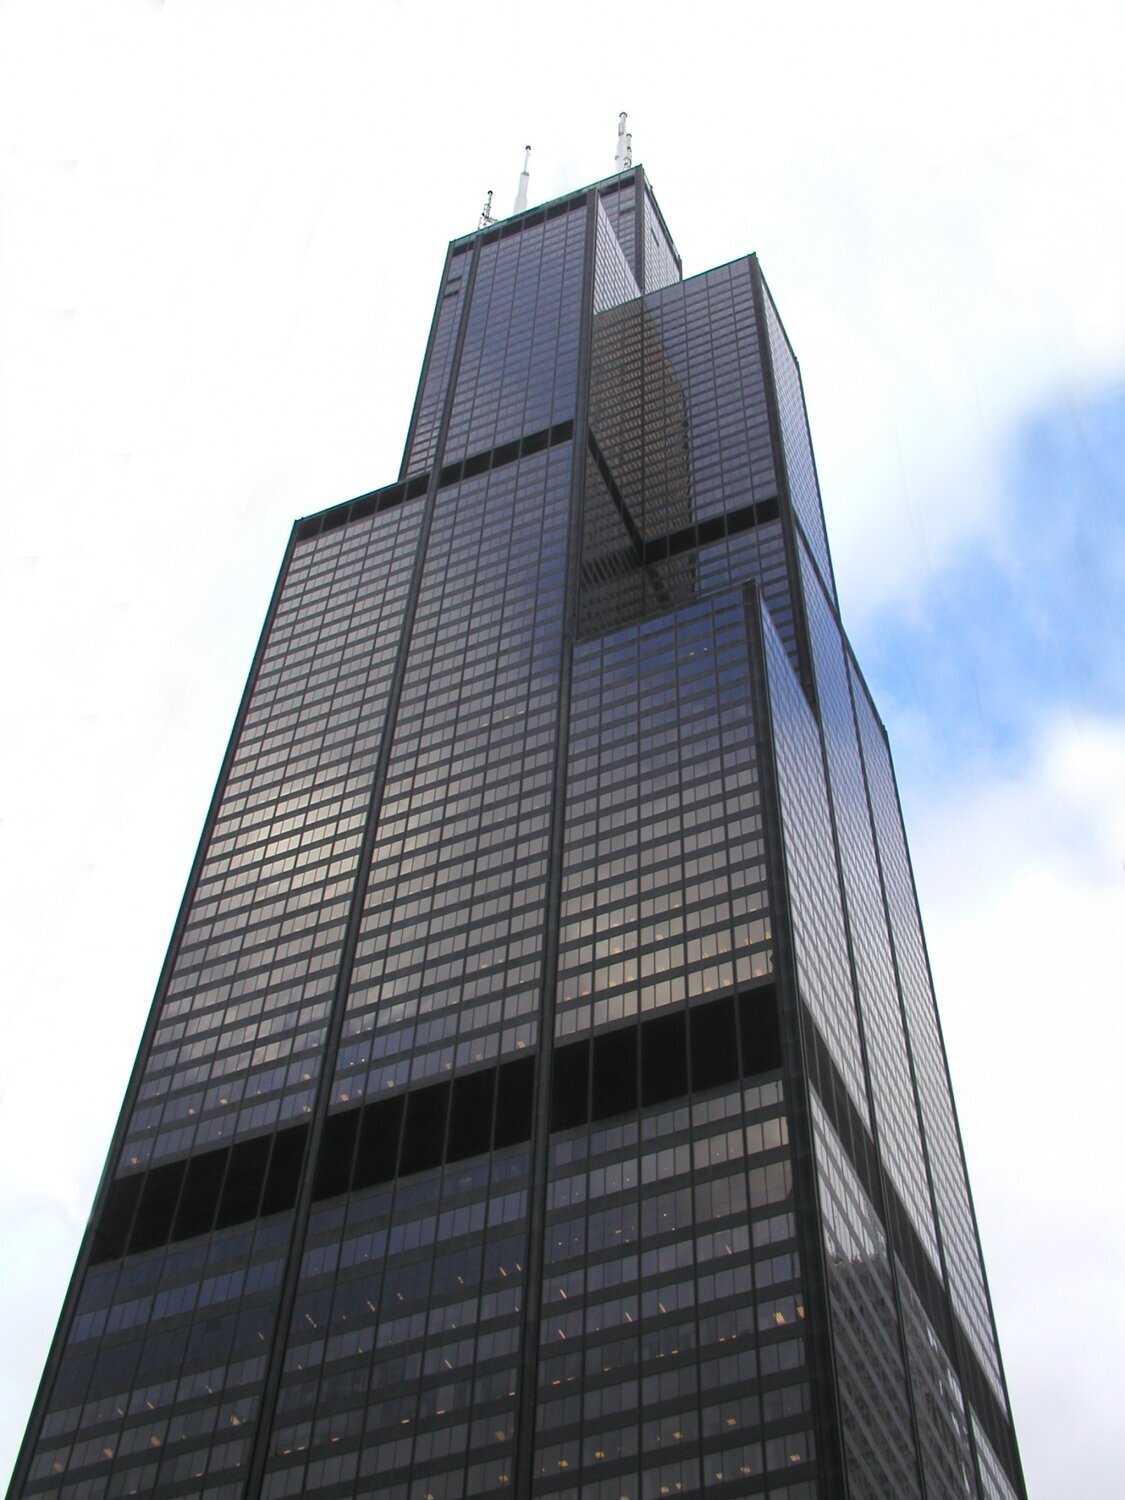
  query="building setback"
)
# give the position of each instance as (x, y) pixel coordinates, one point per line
(544, 1093)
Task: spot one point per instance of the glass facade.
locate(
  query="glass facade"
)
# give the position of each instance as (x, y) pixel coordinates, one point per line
(664, 895)
(892, 1094)
(544, 1094)
(450, 939)
(400, 1360)
(240, 1028)
(672, 1354)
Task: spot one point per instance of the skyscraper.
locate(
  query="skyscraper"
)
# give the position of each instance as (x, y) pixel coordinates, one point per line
(544, 1093)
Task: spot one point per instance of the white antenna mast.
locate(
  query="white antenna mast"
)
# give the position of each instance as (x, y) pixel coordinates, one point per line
(486, 212)
(525, 178)
(624, 155)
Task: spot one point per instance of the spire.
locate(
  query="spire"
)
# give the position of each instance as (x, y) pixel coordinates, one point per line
(525, 178)
(624, 156)
(486, 212)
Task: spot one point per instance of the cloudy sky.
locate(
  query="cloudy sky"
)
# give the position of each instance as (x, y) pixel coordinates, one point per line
(222, 227)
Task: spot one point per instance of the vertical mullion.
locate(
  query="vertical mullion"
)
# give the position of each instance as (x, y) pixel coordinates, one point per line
(541, 1106)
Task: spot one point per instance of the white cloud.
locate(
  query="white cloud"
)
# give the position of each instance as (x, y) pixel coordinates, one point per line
(1022, 883)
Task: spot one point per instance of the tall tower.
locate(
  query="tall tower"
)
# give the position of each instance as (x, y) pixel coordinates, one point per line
(544, 1093)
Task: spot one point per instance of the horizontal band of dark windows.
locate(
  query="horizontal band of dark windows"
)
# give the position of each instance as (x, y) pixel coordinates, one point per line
(665, 1057)
(904, 1238)
(535, 216)
(506, 453)
(417, 1130)
(714, 529)
(615, 494)
(213, 1190)
(615, 186)
(687, 539)
(645, 1064)
(362, 506)
(530, 220)
(411, 1132)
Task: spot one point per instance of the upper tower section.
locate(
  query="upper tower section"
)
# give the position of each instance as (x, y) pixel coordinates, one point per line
(572, 320)
(509, 313)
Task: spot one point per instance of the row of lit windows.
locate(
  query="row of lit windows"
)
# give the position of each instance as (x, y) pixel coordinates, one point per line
(170, 1395)
(655, 1315)
(412, 1407)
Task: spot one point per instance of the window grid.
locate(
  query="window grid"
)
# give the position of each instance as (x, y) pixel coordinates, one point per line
(793, 420)
(888, 1057)
(241, 1026)
(878, 1441)
(816, 912)
(431, 400)
(939, 1407)
(672, 1352)
(951, 1189)
(162, 1376)
(518, 370)
(401, 1364)
(449, 955)
(663, 877)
